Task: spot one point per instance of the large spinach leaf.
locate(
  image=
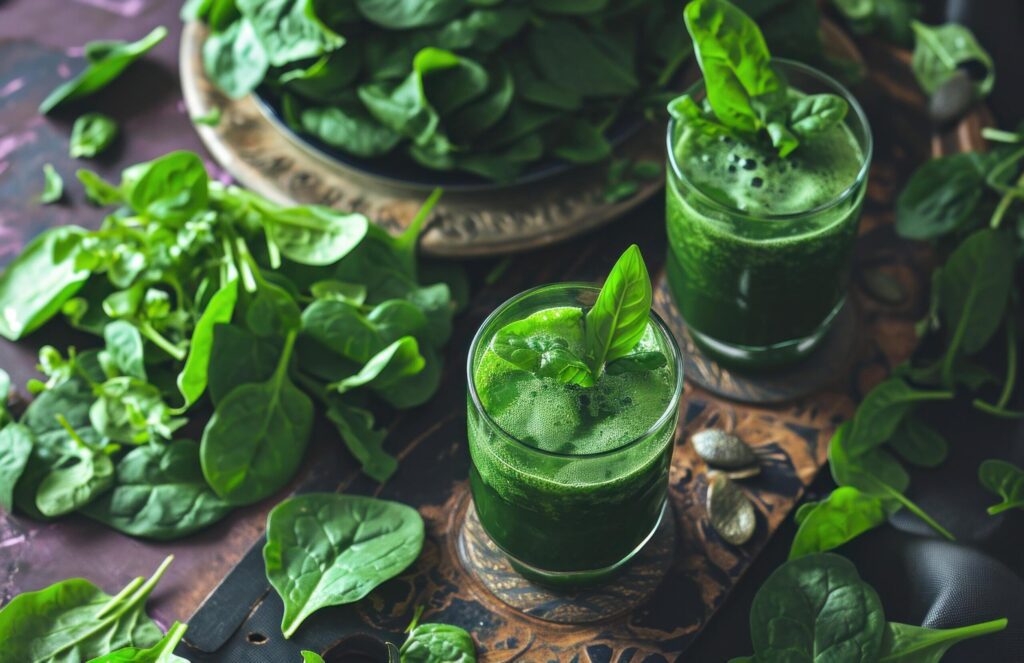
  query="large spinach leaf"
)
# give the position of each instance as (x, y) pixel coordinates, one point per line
(841, 517)
(327, 549)
(620, 315)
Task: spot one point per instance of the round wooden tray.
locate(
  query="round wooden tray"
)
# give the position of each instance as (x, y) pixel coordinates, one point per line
(256, 151)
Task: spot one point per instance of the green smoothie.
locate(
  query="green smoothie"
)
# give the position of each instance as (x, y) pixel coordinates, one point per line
(569, 481)
(758, 251)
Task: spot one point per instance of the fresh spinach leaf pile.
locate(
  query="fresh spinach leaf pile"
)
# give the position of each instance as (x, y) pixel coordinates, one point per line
(817, 608)
(745, 93)
(203, 296)
(456, 85)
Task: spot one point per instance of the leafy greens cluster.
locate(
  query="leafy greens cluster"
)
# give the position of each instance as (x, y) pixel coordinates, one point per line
(746, 95)
(612, 328)
(480, 87)
(816, 607)
(203, 295)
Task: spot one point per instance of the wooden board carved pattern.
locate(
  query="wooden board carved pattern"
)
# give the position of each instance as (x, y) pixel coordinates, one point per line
(266, 159)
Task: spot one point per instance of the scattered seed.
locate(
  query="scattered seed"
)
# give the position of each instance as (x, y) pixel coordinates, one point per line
(723, 449)
(953, 99)
(730, 510)
(744, 473)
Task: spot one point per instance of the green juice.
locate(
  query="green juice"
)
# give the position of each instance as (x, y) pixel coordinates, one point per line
(570, 481)
(760, 246)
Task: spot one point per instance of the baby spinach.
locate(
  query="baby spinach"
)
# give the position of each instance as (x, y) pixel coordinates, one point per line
(1004, 479)
(160, 493)
(883, 410)
(91, 134)
(543, 355)
(288, 29)
(256, 437)
(16, 442)
(436, 643)
(124, 347)
(161, 652)
(942, 196)
(620, 315)
(842, 516)
(919, 444)
(79, 477)
(904, 643)
(398, 360)
(327, 549)
(311, 657)
(74, 620)
(816, 608)
(195, 374)
(238, 356)
(364, 442)
(53, 185)
(106, 61)
(235, 59)
(315, 235)
(940, 50)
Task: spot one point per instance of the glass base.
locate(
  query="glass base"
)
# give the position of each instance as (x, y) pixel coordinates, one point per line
(764, 358)
(565, 580)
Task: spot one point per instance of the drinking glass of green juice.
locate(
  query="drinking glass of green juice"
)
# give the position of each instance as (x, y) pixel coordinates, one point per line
(570, 456)
(761, 232)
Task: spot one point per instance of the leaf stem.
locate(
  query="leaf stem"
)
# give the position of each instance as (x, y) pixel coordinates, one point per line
(1000, 135)
(71, 432)
(411, 234)
(1011, 362)
(916, 510)
(995, 411)
(151, 334)
(1009, 193)
(996, 509)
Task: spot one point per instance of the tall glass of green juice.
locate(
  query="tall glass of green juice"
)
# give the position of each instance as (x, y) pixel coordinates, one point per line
(760, 245)
(569, 482)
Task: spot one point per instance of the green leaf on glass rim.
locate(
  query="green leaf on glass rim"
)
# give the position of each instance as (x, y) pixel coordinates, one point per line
(91, 134)
(619, 317)
(544, 355)
(735, 61)
(103, 67)
(974, 286)
(398, 360)
(364, 442)
(637, 362)
(195, 374)
(940, 50)
(257, 436)
(160, 493)
(327, 549)
(53, 185)
(73, 620)
(942, 196)
(161, 652)
(919, 444)
(882, 411)
(314, 235)
(816, 113)
(1004, 479)
(813, 604)
(841, 517)
(903, 643)
(16, 442)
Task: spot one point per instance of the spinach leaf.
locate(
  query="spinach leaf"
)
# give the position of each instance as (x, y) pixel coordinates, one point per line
(273, 312)
(620, 315)
(396, 318)
(173, 187)
(79, 477)
(398, 360)
(257, 436)
(196, 373)
(1004, 479)
(314, 235)
(238, 357)
(288, 29)
(160, 494)
(161, 652)
(817, 604)
(437, 643)
(333, 289)
(91, 134)
(416, 389)
(103, 67)
(73, 620)
(326, 549)
(132, 411)
(364, 442)
(125, 348)
(735, 60)
(573, 60)
(211, 118)
(340, 328)
(919, 444)
(904, 643)
(940, 50)
(974, 286)
(97, 190)
(235, 59)
(942, 196)
(53, 185)
(311, 657)
(842, 516)
(351, 128)
(16, 442)
(402, 14)
(543, 355)
(636, 362)
(816, 113)
(882, 411)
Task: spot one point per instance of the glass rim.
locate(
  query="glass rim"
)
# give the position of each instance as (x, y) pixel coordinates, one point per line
(842, 197)
(659, 324)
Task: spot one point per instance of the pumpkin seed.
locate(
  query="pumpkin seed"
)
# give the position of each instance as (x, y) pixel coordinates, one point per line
(723, 449)
(953, 99)
(743, 473)
(730, 510)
